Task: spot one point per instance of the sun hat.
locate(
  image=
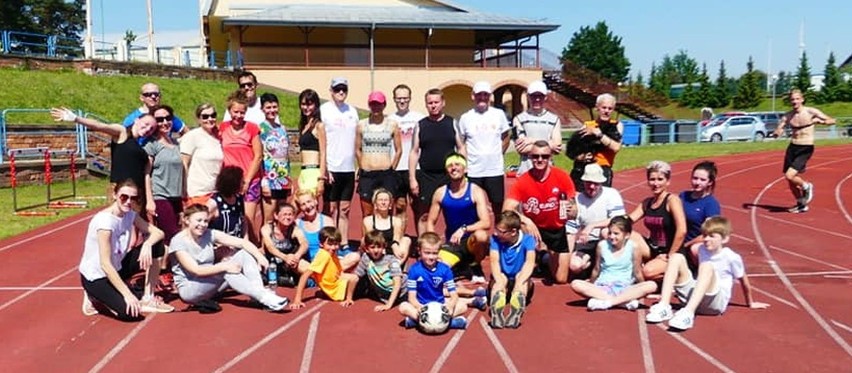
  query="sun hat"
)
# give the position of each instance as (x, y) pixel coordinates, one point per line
(593, 173)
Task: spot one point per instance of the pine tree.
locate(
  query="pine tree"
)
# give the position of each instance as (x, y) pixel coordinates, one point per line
(748, 91)
(831, 84)
(802, 81)
(704, 97)
(598, 49)
(721, 95)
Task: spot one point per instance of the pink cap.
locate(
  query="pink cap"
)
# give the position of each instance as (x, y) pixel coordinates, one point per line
(376, 96)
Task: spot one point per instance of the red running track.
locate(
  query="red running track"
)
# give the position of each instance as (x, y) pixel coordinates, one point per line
(800, 264)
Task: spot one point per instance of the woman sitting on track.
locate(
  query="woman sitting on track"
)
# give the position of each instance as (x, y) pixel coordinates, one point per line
(311, 222)
(663, 216)
(109, 259)
(311, 143)
(284, 242)
(390, 226)
(201, 152)
(698, 205)
(199, 278)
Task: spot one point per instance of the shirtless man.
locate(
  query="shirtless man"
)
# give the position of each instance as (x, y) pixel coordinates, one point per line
(801, 120)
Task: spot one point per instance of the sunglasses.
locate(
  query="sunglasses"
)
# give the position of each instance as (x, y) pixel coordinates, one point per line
(540, 156)
(124, 197)
(246, 85)
(343, 89)
(151, 94)
(164, 119)
(207, 116)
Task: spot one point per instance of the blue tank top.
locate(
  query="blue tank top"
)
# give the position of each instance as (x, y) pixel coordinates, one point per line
(312, 237)
(458, 211)
(616, 269)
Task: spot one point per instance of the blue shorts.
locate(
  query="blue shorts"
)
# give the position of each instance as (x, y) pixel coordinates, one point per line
(612, 288)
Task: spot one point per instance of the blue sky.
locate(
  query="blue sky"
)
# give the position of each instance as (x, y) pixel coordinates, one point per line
(709, 31)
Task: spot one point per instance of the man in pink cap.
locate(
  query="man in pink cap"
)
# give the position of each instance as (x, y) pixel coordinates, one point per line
(375, 139)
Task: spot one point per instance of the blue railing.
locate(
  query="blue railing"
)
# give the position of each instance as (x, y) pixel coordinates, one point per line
(79, 131)
(28, 43)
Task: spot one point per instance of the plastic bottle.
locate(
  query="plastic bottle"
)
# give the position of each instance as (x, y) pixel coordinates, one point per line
(272, 274)
(563, 206)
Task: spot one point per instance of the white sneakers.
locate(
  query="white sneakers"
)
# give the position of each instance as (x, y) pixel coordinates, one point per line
(659, 313)
(598, 304)
(273, 301)
(808, 190)
(680, 320)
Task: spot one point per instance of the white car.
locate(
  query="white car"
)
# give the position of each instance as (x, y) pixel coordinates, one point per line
(742, 127)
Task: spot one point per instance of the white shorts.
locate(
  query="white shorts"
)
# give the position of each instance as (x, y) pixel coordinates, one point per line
(715, 301)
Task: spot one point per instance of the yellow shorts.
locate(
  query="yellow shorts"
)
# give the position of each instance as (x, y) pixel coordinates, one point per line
(309, 178)
(453, 254)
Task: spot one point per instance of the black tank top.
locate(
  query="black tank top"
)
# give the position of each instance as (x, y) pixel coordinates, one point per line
(437, 141)
(286, 245)
(307, 141)
(230, 218)
(660, 223)
(387, 233)
(128, 162)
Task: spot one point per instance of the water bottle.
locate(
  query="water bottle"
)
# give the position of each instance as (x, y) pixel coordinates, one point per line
(563, 206)
(272, 274)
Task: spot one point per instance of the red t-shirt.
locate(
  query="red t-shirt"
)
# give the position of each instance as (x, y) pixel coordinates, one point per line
(540, 199)
(237, 146)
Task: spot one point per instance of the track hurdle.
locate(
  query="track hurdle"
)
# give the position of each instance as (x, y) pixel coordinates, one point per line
(50, 201)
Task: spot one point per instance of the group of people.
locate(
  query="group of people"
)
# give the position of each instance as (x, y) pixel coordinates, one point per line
(197, 194)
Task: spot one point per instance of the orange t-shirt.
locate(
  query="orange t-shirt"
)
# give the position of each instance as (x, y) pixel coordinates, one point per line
(327, 269)
(605, 157)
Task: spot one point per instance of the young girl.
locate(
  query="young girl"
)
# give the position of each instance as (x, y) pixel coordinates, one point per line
(282, 241)
(617, 276)
(391, 227)
(199, 279)
(699, 203)
(109, 260)
(242, 148)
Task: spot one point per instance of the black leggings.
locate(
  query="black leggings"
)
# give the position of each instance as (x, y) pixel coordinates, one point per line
(105, 293)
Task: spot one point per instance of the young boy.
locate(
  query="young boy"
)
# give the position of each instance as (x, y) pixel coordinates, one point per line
(428, 279)
(326, 270)
(512, 263)
(383, 271)
(710, 292)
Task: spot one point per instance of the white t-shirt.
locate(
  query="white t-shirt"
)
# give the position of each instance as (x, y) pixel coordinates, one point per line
(407, 123)
(591, 210)
(482, 134)
(254, 114)
(728, 266)
(341, 123)
(206, 161)
(90, 264)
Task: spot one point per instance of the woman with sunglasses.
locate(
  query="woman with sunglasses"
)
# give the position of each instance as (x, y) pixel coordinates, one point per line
(311, 143)
(127, 158)
(242, 148)
(109, 260)
(201, 153)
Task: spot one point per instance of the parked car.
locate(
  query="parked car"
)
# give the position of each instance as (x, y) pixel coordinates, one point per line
(741, 127)
(721, 116)
(770, 118)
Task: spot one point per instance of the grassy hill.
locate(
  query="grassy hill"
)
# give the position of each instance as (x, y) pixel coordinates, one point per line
(113, 97)
(835, 109)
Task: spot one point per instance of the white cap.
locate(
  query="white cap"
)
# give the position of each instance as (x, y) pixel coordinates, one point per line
(537, 87)
(480, 87)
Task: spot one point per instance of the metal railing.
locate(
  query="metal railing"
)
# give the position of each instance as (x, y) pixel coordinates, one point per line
(28, 44)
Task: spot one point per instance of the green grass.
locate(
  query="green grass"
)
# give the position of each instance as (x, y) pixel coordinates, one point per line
(113, 97)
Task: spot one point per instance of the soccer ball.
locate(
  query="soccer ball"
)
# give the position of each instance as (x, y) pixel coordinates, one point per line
(434, 318)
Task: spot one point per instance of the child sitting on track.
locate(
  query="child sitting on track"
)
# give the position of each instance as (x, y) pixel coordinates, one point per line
(428, 278)
(512, 262)
(326, 271)
(383, 271)
(617, 275)
(710, 292)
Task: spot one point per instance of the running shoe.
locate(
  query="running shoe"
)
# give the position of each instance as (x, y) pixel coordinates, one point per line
(498, 303)
(155, 304)
(458, 322)
(88, 308)
(516, 310)
(479, 303)
(598, 304)
(808, 191)
(658, 313)
(273, 302)
(798, 209)
(682, 320)
(632, 305)
(409, 323)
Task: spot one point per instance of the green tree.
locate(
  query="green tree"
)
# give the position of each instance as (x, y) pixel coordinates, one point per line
(704, 96)
(51, 17)
(685, 68)
(748, 90)
(721, 94)
(802, 81)
(831, 84)
(598, 49)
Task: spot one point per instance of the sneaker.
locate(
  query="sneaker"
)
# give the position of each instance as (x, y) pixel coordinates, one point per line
(632, 305)
(479, 303)
(206, 306)
(513, 320)
(808, 191)
(477, 279)
(409, 323)
(598, 304)
(155, 304)
(658, 313)
(798, 209)
(682, 320)
(498, 303)
(480, 292)
(458, 322)
(88, 308)
(273, 302)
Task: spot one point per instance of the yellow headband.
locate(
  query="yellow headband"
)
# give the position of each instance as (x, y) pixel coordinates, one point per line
(455, 159)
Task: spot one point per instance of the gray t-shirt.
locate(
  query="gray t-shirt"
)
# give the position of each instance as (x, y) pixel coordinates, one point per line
(380, 273)
(202, 251)
(167, 172)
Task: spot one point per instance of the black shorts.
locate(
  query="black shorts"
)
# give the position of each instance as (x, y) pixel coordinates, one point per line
(555, 239)
(429, 182)
(342, 189)
(589, 248)
(495, 189)
(797, 157)
(655, 249)
(279, 194)
(404, 187)
(369, 181)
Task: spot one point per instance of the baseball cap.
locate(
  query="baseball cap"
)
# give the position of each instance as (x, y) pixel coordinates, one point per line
(339, 81)
(480, 87)
(593, 173)
(537, 87)
(376, 96)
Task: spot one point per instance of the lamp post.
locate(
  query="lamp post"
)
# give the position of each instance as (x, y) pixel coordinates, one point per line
(772, 89)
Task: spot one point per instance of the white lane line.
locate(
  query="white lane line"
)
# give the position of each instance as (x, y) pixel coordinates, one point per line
(842, 326)
(839, 198)
(710, 359)
(783, 277)
(507, 360)
(803, 274)
(45, 233)
(268, 338)
(309, 344)
(33, 290)
(773, 296)
(647, 354)
(20, 288)
(834, 276)
(793, 253)
(121, 344)
(451, 345)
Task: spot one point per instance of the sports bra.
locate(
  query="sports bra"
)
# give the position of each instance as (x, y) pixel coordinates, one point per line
(287, 245)
(307, 141)
(376, 138)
